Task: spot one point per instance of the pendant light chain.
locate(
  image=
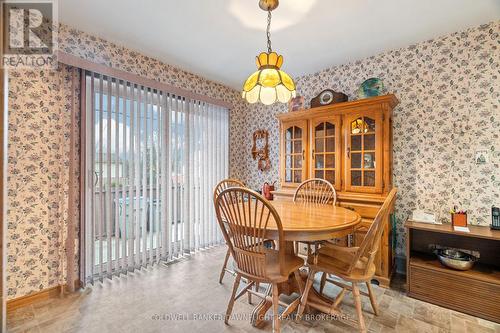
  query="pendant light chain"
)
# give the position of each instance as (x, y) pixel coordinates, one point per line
(269, 84)
(268, 32)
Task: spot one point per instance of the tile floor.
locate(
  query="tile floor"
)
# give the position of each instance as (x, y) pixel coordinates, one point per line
(172, 298)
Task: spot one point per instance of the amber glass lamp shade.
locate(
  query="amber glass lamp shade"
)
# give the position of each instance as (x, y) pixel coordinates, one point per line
(269, 84)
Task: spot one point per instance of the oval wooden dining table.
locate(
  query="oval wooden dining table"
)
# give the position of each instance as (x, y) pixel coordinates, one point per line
(303, 221)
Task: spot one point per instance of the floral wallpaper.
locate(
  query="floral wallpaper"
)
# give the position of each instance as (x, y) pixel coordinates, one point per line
(39, 139)
(38, 164)
(449, 92)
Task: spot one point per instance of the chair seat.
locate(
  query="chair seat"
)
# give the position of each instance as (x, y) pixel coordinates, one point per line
(273, 274)
(292, 263)
(333, 259)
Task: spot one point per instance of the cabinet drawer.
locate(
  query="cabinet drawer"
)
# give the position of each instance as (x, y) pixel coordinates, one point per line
(366, 211)
(468, 295)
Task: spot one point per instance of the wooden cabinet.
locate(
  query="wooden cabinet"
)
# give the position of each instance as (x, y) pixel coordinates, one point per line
(293, 150)
(325, 148)
(350, 145)
(475, 291)
(363, 146)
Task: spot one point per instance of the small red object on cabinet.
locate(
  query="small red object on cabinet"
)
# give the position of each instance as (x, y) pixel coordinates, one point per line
(266, 191)
(459, 219)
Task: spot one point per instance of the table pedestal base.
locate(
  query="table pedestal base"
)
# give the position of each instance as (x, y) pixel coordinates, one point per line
(288, 288)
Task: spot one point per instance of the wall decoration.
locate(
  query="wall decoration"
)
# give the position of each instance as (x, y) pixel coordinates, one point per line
(296, 104)
(260, 149)
(371, 88)
(327, 97)
(481, 156)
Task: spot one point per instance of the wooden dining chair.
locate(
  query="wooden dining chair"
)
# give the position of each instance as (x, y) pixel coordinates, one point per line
(221, 186)
(314, 190)
(245, 218)
(354, 265)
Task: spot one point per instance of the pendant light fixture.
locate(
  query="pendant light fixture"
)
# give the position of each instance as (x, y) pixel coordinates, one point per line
(269, 84)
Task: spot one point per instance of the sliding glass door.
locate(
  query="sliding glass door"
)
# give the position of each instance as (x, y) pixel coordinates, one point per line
(152, 160)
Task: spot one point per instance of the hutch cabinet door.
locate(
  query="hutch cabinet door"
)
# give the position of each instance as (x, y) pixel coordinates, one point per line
(363, 154)
(293, 152)
(325, 148)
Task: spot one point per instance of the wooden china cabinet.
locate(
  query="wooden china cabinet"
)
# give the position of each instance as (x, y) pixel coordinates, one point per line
(350, 145)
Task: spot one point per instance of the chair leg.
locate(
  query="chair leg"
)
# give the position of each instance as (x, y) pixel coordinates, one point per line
(276, 304)
(322, 283)
(231, 300)
(359, 310)
(228, 253)
(299, 281)
(307, 288)
(372, 298)
(339, 298)
(250, 295)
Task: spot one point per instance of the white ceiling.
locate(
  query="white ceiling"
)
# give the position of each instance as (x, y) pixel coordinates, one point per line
(218, 39)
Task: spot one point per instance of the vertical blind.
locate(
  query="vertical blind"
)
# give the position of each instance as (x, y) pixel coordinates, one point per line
(152, 161)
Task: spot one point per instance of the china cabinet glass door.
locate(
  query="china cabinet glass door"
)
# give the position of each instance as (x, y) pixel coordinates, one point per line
(325, 150)
(364, 152)
(294, 149)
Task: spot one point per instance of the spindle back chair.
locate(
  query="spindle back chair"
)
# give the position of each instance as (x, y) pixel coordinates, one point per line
(221, 186)
(316, 190)
(352, 264)
(245, 217)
